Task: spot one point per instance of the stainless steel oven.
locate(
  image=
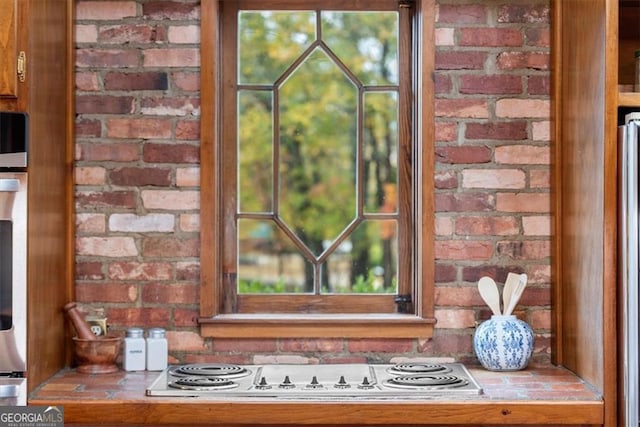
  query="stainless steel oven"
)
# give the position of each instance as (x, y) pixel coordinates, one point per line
(14, 136)
(13, 287)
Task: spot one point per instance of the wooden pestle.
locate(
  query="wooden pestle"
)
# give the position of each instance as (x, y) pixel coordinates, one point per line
(79, 323)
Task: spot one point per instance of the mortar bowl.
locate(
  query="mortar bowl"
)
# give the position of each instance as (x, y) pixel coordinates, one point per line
(97, 356)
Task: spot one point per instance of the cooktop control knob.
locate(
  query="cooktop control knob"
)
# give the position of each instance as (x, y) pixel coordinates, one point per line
(342, 383)
(314, 384)
(286, 383)
(365, 384)
(263, 385)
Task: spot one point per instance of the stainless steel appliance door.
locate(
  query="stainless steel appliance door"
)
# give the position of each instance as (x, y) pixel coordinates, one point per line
(13, 274)
(13, 391)
(629, 251)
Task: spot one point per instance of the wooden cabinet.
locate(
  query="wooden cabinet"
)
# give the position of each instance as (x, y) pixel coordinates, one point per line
(593, 56)
(13, 51)
(43, 31)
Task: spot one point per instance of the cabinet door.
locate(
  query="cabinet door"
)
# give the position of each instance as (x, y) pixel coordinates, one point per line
(13, 63)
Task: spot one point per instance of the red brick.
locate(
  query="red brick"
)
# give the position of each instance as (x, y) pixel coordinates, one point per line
(131, 33)
(160, 177)
(380, 345)
(139, 316)
(247, 345)
(536, 296)
(450, 343)
(487, 225)
(162, 293)
(345, 359)
(446, 179)
(445, 273)
(460, 60)
(463, 154)
(446, 131)
(101, 104)
(188, 130)
(496, 84)
(103, 58)
(174, 153)
(87, 81)
(106, 199)
(170, 106)
(523, 60)
(86, 128)
(457, 296)
(523, 202)
(136, 81)
(170, 247)
(525, 250)
(516, 130)
(106, 292)
(171, 10)
(105, 10)
(188, 271)
(116, 152)
(183, 318)
(490, 37)
(179, 57)
(467, 250)
(443, 84)
(461, 14)
(464, 202)
(462, 108)
(89, 270)
(186, 81)
(312, 345)
(235, 358)
(138, 128)
(538, 37)
(497, 272)
(525, 13)
(141, 271)
(539, 85)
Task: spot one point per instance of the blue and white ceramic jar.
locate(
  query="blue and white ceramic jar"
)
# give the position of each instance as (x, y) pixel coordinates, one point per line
(503, 343)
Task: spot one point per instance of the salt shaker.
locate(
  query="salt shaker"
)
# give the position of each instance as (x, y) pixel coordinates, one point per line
(157, 350)
(134, 350)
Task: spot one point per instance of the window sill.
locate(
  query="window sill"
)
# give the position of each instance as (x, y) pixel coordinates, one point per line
(316, 326)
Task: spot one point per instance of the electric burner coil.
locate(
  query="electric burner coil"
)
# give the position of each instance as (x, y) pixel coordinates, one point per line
(418, 368)
(202, 383)
(431, 382)
(217, 370)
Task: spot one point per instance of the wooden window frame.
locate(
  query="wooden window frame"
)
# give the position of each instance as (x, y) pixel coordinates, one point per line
(213, 320)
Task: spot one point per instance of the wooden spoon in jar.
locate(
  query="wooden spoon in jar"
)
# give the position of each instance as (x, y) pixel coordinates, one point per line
(489, 293)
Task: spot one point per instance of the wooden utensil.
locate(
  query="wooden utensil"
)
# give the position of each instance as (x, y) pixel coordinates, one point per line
(517, 293)
(489, 293)
(507, 291)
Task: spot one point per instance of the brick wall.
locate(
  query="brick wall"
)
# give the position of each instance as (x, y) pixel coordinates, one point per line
(137, 175)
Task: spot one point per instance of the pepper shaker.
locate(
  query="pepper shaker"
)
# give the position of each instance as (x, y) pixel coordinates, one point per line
(157, 349)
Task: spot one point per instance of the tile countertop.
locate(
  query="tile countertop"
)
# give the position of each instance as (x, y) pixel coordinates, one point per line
(541, 395)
